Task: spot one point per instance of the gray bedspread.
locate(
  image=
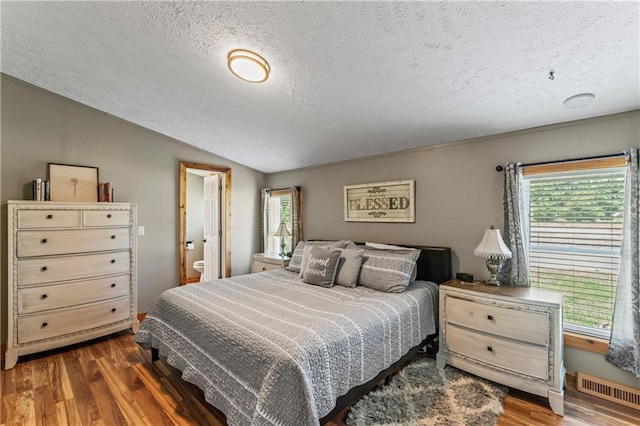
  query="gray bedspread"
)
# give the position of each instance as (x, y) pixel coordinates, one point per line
(268, 349)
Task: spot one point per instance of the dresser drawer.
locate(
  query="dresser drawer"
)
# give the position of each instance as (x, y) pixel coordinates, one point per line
(522, 325)
(519, 357)
(58, 323)
(32, 219)
(43, 298)
(105, 218)
(259, 266)
(41, 243)
(46, 270)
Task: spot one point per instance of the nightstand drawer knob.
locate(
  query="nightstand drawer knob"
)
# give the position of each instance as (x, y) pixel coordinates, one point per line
(113, 261)
(113, 285)
(264, 269)
(113, 310)
(489, 348)
(490, 317)
(109, 216)
(43, 269)
(44, 324)
(49, 216)
(113, 237)
(43, 241)
(44, 296)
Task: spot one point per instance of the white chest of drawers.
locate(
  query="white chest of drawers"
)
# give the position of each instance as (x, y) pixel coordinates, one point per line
(71, 274)
(509, 335)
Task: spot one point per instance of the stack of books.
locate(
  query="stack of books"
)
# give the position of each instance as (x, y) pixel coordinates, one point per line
(105, 192)
(40, 190)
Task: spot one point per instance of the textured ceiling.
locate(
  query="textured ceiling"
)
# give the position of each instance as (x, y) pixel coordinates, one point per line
(349, 79)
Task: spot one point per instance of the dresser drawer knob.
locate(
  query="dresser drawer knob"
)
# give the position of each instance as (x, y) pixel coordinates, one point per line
(113, 285)
(264, 269)
(109, 216)
(43, 269)
(113, 261)
(49, 216)
(44, 296)
(43, 241)
(113, 237)
(489, 348)
(490, 317)
(44, 324)
(113, 310)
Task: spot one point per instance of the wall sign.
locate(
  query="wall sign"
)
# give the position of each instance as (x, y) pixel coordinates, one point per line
(380, 202)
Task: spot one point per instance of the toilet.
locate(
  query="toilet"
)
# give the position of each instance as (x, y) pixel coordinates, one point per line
(198, 265)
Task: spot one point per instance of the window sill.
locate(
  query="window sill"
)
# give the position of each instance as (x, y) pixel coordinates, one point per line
(586, 343)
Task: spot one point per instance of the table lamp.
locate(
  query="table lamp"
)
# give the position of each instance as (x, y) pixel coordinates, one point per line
(495, 250)
(282, 232)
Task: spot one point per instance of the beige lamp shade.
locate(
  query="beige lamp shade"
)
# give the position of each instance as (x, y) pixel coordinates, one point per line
(282, 231)
(492, 245)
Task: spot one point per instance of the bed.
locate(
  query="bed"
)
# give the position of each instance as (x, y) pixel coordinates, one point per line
(267, 348)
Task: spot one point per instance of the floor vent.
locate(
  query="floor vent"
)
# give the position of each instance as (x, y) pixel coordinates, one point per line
(610, 391)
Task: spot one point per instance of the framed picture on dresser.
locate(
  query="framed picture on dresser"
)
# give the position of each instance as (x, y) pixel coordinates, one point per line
(72, 183)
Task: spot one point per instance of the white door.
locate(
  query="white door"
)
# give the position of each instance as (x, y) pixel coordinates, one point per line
(212, 228)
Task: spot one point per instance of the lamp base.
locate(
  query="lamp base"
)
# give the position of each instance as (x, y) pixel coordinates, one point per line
(493, 265)
(282, 253)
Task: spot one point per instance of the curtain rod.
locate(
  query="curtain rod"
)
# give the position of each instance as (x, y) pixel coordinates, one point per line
(500, 168)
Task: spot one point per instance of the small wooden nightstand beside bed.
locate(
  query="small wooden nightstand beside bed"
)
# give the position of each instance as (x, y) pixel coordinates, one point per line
(509, 335)
(268, 262)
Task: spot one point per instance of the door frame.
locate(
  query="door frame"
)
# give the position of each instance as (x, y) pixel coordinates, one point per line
(182, 206)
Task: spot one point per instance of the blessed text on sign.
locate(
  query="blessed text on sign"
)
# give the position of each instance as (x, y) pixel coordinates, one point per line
(380, 202)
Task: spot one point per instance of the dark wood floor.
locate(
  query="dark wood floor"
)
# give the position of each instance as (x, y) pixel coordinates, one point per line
(111, 381)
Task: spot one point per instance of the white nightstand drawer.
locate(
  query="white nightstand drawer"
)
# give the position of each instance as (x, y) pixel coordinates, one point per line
(58, 323)
(518, 324)
(521, 358)
(28, 219)
(43, 298)
(259, 266)
(43, 243)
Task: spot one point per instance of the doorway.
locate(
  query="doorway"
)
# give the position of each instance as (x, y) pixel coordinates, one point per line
(215, 249)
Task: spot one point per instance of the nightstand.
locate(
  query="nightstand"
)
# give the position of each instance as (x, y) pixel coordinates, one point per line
(268, 262)
(509, 335)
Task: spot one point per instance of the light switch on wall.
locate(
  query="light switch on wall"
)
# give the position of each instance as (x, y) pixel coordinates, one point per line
(140, 230)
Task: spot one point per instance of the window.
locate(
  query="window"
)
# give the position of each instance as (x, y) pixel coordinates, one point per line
(575, 228)
(279, 212)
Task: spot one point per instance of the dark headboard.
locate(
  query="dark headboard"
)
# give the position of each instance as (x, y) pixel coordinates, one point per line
(434, 263)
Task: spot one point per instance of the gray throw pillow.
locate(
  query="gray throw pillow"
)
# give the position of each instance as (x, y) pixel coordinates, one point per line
(349, 267)
(305, 256)
(380, 246)
(387, 270)
(321, 267)
(296, 257)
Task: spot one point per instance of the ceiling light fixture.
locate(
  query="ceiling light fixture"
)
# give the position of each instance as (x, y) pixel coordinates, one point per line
(579, 100)
(248, 66)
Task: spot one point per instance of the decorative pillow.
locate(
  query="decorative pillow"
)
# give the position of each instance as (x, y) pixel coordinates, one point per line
(414, 273)
(305, 255)
(296, 257)
(321, 267)
(387, 270)
(349, 267)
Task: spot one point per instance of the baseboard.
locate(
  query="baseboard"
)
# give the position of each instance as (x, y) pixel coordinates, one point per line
(3, 347)
(141, 316)
(571, 379)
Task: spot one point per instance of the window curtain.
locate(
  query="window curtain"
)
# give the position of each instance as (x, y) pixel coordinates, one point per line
(264, 217)
(624, 345)
(296, 216)
(515, 271)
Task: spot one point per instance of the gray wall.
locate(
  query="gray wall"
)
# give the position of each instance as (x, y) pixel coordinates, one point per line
(458, 194)
(195, 221)
(39, 127)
